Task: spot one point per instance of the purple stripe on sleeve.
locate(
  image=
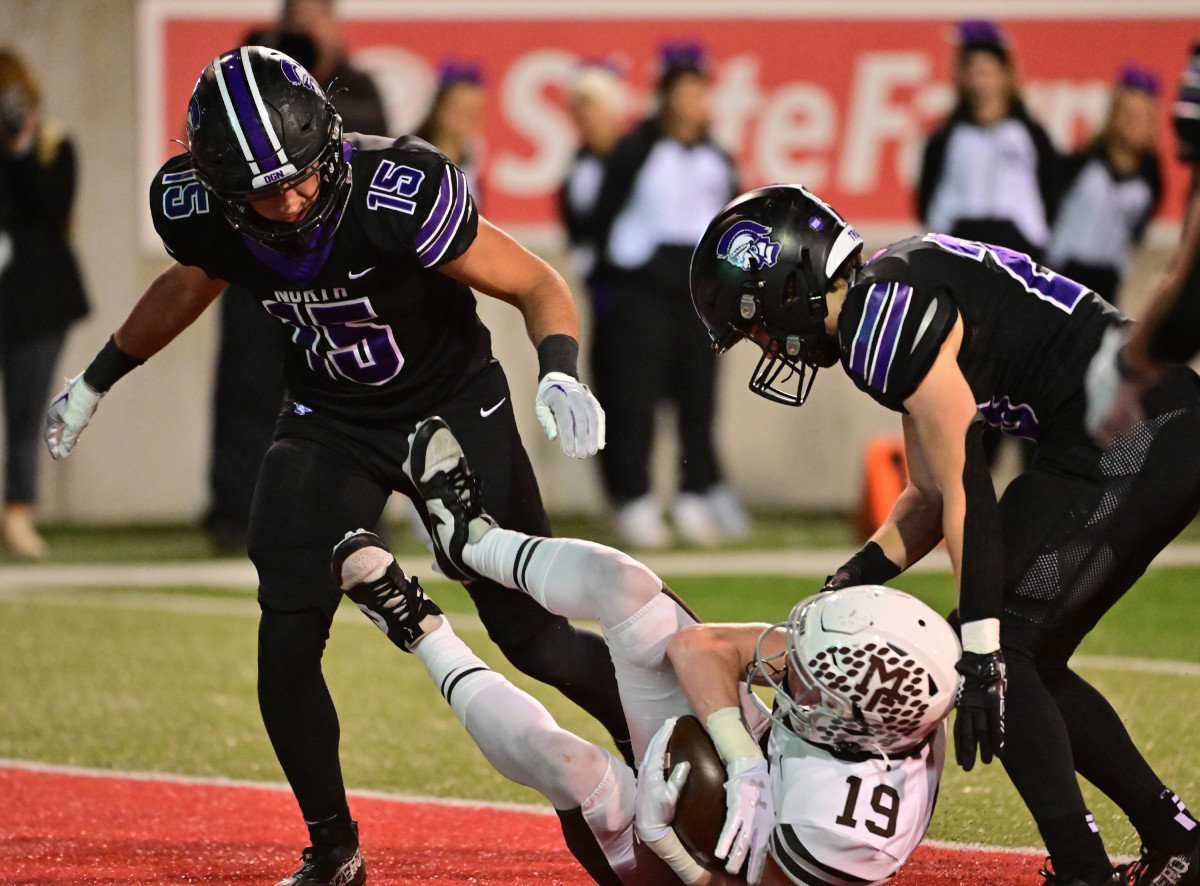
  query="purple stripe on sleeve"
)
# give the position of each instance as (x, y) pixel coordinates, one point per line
(885, 351)
(860, 350)
(461, 201)
(437, 215)
(247, 112)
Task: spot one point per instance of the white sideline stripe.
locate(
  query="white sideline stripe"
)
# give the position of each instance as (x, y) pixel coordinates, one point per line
(393, 797)
(97, 598)
(241, 573)
(246, 607)
(219, 781)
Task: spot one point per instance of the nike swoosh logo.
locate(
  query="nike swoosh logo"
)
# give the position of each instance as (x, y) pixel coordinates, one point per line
(354, 276)
(484, 413)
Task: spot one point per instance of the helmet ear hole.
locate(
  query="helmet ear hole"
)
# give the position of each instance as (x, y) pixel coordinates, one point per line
(789, 289)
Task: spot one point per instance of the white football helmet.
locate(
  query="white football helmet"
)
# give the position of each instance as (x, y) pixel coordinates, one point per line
(876, 664)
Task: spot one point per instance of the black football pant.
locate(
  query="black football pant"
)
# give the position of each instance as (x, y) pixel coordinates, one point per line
(27, 366)
(247, 391)
(322, 478)
(648, 346)
(1080, 527)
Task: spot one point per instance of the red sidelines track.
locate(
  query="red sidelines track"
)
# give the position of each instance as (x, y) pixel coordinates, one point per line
(82, 829)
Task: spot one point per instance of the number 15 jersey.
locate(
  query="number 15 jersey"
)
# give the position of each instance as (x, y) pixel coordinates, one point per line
(378, 334)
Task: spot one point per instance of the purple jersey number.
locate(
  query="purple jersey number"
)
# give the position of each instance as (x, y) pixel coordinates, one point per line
(1062, 292)
(340, 339)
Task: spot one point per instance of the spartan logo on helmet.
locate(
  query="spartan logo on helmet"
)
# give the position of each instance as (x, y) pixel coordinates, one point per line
(747, 240)
(299, 76)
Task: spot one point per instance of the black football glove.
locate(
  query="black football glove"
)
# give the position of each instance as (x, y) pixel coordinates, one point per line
(979, 722)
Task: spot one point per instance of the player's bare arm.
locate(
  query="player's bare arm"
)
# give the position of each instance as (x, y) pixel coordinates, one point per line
(169, 305)
(711, 661)
(496, 265)
(914, 526)
(939, 413)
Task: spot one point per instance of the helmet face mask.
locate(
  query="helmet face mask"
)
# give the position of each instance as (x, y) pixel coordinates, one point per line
(258, 125)
(761, 271)
(869, 669)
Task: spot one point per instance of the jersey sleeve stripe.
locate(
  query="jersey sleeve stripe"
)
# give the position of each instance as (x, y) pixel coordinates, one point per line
(462, 202)
(863, 336)
(436, 219)
(889, 336)
(799, 864)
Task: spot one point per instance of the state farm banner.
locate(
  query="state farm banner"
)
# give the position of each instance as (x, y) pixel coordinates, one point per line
(837, 96)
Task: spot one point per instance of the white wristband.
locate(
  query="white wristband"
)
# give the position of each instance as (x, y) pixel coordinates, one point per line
(730, 735)
(982, 636)
(670, 850)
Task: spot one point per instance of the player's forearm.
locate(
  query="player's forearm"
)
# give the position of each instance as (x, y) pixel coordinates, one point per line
(912, 528)
(709, 667)
(169, 305)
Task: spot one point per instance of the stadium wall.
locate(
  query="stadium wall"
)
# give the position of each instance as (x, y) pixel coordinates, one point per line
(145, 455)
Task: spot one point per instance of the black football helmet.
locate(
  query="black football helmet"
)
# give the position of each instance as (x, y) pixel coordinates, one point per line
(760, 272)
(257, 125)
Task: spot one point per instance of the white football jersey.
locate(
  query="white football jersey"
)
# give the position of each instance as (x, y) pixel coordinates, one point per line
(847, 823)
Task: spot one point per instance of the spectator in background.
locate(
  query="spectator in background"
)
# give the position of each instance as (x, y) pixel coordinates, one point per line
(596, 100)
(41, 290)
(454, 122)
(249, 377)
(661, 183)
(989, 172)
(1111, 189)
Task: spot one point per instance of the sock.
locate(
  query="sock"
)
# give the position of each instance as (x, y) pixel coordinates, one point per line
(1076, 848)
(516, 734)
(570, 577)
(1166, 825)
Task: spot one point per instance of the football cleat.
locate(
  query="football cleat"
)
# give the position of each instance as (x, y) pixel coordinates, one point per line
(437, 467)
(1165, 869)
(365, 569)
(331, 860)
(1116, 877)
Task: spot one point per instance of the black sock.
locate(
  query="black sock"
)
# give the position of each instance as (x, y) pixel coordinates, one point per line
(1165, 825)
(1076, 848)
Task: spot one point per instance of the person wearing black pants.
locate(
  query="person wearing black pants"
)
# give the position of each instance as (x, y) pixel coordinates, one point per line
(41, 288)
(660, 184)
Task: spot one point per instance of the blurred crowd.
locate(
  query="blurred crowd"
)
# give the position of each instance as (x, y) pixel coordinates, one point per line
(639, 189)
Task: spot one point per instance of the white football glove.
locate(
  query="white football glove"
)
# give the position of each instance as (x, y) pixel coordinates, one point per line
(568, 410)
(1103, 379)
(69, 414)
(657, 798)
(749, 817)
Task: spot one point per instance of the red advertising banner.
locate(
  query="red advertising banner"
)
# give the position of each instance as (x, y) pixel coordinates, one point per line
(840, 105)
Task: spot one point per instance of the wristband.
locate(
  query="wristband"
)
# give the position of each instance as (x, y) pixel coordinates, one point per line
(558, 353)
(870, 566)
(982, 636)
(109, 366)
(728, 732)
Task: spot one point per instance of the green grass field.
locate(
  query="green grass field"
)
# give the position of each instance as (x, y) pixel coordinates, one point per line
(163, 680)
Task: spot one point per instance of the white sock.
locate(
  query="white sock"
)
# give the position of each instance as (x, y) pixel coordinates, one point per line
(569, 576)
(515, 732)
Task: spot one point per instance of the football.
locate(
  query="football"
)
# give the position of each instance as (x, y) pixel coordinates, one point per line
(700, 814)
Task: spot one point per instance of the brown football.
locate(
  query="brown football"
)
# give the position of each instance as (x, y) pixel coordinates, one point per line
(700, 814)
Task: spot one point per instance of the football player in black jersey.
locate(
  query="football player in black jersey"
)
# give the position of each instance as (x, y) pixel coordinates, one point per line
(1170, 329)
(956, 336)
(367, 249)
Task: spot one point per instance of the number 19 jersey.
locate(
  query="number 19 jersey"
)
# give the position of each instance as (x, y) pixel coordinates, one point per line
(849, 820)
(378, 334)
